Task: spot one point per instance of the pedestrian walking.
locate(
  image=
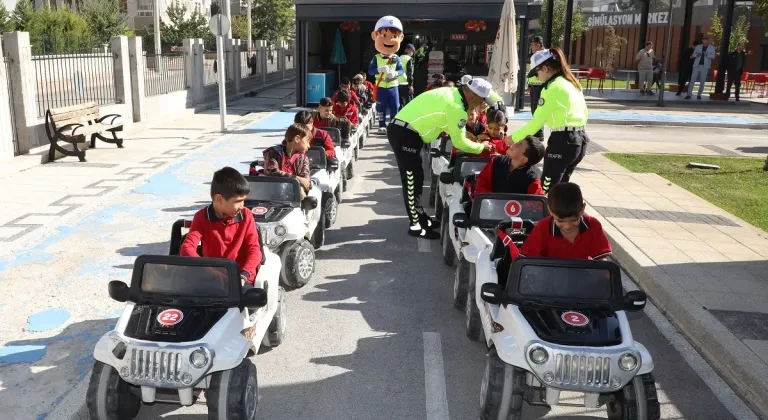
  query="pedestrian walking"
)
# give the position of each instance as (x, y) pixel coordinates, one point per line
(563, 108)
(534, 84)
(736, 60)
(702, 61)
(685, 69)
(644, 60)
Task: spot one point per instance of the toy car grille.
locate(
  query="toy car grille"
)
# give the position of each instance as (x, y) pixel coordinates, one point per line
(156, 365)
(273, 214)
(582, 370)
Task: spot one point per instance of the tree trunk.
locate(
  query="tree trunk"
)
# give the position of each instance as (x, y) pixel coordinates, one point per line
(765, 167)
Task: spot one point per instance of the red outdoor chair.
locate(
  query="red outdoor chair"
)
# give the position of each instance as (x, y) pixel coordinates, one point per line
(596, 74)
(760, 82)
(745, 83)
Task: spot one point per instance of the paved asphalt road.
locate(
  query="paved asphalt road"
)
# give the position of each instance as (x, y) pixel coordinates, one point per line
(361, 333)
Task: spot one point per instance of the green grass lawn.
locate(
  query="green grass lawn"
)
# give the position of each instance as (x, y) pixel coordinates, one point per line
(740, 186)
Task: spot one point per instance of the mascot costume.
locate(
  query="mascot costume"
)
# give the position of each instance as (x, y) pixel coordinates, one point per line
(387, 68)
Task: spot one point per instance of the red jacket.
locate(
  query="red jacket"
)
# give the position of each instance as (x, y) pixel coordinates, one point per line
(352, 97)
(499, 148)
(234, 238)
(350, 112)
(321, 138)
(496, 177)
(482, 118)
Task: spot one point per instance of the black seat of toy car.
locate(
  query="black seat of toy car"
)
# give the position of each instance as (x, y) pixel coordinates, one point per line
(334, 133)
(177, 238)
(317, 159)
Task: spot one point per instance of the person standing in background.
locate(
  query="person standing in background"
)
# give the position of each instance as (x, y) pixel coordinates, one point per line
(534, 84)
(702, 61)
(685, 68)
(406, 79)
(736, 60)
(644, 60)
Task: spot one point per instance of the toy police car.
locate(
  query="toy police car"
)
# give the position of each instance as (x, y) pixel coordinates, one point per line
(187, 327)
(560, 325)
(326, 172)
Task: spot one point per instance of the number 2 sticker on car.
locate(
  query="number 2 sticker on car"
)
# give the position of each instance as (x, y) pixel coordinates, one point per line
(577, 319)
(512, 208)
(170, 317)
(258, 211)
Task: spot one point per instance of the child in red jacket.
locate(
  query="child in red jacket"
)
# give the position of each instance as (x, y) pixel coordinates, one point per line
(495, 133)
(343, 107)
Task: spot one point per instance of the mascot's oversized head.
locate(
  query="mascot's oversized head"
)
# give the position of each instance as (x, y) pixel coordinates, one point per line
(387, 35)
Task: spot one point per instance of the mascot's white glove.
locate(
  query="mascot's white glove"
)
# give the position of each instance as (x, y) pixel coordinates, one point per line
(392, 74)
(382, 69)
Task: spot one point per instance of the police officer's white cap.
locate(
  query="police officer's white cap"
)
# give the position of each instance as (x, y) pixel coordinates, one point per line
(483, 89)
(388, 22)
(538, 58)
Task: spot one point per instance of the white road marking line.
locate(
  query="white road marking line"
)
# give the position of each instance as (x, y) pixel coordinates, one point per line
(434, 378)
(716, 384)
(425, 245)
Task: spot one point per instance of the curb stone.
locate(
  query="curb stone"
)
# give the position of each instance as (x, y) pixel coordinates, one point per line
(727, 355)
(640, 123)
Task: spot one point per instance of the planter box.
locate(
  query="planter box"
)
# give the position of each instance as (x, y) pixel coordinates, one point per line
(717, 97)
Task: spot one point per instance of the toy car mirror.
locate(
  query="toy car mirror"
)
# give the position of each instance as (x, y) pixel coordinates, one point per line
(254, 298)
(118, 290)
(471, 178)
(634, 300)
(446, 178)
(491, 293)
(309, 203)
(434, 152)
(460, 220)
(332, 164)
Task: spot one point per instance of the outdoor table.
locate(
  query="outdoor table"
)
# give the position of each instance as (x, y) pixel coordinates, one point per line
(629, 73)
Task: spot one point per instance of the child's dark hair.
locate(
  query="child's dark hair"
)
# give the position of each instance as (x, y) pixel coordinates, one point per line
(325, 102)
(342, 95)
(565, 200)
(294, 130)
(497, 116)
(345, 81)
(229, 182)
(535, 150)
(303, 117)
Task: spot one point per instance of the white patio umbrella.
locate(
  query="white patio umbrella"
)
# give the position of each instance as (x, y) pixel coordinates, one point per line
(504, 66)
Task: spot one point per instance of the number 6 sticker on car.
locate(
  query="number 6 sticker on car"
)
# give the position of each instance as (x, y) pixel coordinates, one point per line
(513, 208)
(170, 317)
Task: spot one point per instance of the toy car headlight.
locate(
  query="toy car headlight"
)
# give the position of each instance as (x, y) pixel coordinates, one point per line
(538, 355)
(627, 362)
(279, 230)
(198, 358)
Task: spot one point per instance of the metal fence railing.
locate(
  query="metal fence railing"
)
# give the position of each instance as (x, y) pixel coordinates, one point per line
(72, 79)
(14, 133)
(164, 74)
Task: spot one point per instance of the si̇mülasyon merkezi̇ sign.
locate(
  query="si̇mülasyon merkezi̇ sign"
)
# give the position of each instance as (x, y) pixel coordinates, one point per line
(625, 19)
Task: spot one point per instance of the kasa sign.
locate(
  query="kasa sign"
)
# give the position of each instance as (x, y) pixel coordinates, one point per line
(625, 19)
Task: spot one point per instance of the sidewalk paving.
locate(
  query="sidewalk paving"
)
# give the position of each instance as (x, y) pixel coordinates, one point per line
(705, 268)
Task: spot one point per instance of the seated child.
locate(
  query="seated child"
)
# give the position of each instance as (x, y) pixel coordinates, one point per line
(449, 83)
(368, 85)
(346, 84)
(482, 114)
(226, 227)
(323, 118)
(567, 232)
(437, 82)
(474, 129)
(358, 87)
(495, 133)
(513, 172)
(342, 107)
(319, 137)
(289, 159)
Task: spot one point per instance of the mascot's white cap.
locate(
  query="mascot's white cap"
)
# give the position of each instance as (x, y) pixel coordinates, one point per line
(388, 22)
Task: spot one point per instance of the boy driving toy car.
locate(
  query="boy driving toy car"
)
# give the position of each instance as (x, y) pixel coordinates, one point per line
(319, 137)
(567, 232)
(289, 159)
(324, 117)
(346, 84)
(343, 107)
(225, 227)
(513, 172)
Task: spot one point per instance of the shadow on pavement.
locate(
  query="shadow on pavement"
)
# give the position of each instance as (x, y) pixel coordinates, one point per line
(157, 248)
(193, 208)
(753, 149)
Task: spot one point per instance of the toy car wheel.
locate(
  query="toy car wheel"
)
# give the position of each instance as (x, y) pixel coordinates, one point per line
(449, 255)
(318, 236)
(438, 203)
(471, 311)
(276, 330)
(298, 264)
(357, 151)
(460, 282)
(500, 378)
(339, 193)
(432, 190)
(351, 170)
(637, 400)
(330, 208)
(234, 393)
(109, 397)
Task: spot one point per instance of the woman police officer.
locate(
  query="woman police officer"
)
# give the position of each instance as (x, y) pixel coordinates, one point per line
(421, 121)
(562, 107)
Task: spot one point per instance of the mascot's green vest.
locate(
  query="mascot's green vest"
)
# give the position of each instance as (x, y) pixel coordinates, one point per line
(384, 83)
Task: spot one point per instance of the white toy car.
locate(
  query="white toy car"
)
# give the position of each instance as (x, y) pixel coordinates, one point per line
(476, 222)
(187, 327)
(345, 153)
(439, 156)
(450, 196)
(328, 175)
(560, 325)
(292, 228)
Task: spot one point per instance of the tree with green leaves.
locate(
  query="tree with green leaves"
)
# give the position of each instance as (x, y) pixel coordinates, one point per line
(181, 25)
(22, 13)
(637, 5)
(274, 20)
(104, 17)
(6, 22)
(760, 9)
(739, 31)
(610, 49)
(578, 22)
(58, 31)
(240, 27)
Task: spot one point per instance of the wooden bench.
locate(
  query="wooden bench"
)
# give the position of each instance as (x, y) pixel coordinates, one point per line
(72, 124)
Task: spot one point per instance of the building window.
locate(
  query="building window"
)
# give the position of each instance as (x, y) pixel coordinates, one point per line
(146, 8)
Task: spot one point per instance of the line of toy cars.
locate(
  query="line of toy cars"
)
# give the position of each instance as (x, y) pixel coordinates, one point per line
(550, 325)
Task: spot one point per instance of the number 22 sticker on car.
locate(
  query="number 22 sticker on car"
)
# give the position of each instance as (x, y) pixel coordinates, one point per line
(513, 208)
(576, 319)
(170, 317)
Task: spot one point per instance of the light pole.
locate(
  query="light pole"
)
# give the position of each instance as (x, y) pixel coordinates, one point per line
(250, 35)
(156, 13)
(667, 41)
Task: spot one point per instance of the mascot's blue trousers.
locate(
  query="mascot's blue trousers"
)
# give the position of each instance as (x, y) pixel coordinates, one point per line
(387, 100)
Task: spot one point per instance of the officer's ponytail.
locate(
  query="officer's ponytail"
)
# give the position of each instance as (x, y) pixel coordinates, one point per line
(560, 64)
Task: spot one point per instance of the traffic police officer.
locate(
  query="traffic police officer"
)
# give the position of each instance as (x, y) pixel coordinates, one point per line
(562, 107)
(406, 79)
(421, 121)
(534, 84)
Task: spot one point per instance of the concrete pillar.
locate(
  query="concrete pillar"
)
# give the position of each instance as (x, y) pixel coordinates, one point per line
(122, 74)
(281, 47)
(198, 67)
(22, 78)
(137, 69)
(188, 62)
(234, 64)
(6, 134)
(261, 59)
